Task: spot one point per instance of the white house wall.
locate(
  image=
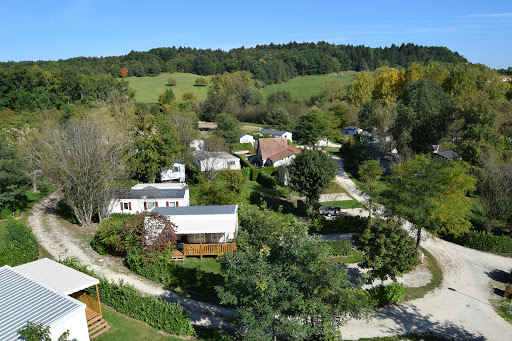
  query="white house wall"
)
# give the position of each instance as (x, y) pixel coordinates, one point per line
(217, 164)
(211, 223)
(168, 173)
(137, 205)
(76, 324)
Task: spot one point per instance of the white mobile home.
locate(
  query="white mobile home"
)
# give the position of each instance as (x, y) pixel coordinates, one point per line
(176, 172)
(214, 161)
(145, 197)
(50, 293)
(276, 133)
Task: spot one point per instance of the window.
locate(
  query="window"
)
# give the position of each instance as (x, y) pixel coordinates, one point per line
(126, 206)
(177, 169)
(151, 205)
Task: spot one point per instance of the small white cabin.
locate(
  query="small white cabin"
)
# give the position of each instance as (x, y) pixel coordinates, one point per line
(145, 197)
(176, 172)
(246, 138)
(216, 161)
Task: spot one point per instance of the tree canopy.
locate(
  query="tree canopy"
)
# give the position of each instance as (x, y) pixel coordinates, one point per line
(312, 126)
(431, 194)
(309, 172)
(283, 281)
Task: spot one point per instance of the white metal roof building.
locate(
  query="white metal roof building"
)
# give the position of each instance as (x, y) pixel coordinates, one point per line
(219, 222)
(24, 299)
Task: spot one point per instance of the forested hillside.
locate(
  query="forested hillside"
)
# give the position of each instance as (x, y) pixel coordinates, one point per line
(269, 63)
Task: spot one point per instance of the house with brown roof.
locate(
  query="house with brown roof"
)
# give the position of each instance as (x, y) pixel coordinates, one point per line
(275, 152)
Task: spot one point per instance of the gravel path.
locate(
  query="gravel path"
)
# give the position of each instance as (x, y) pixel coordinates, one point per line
(460, 308)
(60, 242)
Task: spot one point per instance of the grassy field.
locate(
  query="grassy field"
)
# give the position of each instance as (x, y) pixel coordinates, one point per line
(303, 87)
(148, 88)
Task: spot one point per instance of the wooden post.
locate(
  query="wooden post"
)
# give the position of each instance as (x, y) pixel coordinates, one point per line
(98, 298)
(200, 246)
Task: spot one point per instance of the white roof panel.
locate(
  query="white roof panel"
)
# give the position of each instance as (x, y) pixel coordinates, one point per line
(56, 276)
(22, 299)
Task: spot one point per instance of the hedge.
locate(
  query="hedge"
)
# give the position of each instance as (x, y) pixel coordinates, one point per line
(174, 275)
(482, 241)
(243, 161)
(19, 245)
(166, 316)
(267, 181)
(344, 223)
(387, 294)
(339, 247)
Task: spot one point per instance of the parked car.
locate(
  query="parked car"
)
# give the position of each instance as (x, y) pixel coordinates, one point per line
(329, 210)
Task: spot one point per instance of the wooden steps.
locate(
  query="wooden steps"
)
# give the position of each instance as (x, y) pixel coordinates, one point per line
(178, 256)
(96, 324)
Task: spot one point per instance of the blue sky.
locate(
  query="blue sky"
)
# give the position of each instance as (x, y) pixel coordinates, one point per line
(48, 30)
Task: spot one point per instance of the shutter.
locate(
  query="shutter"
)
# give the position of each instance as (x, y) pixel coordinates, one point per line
(167, 204)
(177, 204)
(156, 203)
(130, 205)
(121, 206)
(145, 206)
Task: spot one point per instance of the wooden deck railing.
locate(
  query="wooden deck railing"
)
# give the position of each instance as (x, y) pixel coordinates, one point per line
(208, 249)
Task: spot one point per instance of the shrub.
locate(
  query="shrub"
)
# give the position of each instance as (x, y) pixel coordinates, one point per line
(387, 294)
(254, 174)
(485, 242)
(344, 223)
(201, 81)
(171, 81)
(241, 146)
(340, 247)
(20, 245)
(166, 316)
(302, 208)
(246, 172)
(188, 96)
(267, 181)
(123, 233)
(255, 198)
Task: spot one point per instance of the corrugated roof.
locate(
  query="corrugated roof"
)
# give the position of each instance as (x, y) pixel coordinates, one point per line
(449, 154)
(150, 192)
(272, 132)
(56, 276)
(23, 299)
(196, 210)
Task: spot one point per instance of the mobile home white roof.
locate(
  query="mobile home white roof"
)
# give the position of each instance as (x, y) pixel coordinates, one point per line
(23, 299)
(202, 219)
(56, 276)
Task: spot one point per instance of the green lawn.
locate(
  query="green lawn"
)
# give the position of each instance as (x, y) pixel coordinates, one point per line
(208, 264)
(148, 88)
(355, 257)
(343, 204)
(303, 87)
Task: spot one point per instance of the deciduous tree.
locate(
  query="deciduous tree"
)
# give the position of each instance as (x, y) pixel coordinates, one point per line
(388, 250)
(228, 127)
(123, 72)
(431, 194)
(370, 173)
(312, 126)
(309, 172)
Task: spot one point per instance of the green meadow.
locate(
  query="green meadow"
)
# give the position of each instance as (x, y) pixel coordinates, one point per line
(147, 89)
(301, 87)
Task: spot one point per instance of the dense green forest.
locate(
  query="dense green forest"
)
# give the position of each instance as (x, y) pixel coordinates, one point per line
(268, 63)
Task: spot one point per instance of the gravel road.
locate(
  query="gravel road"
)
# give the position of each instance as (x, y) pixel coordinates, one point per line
(460, 308)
